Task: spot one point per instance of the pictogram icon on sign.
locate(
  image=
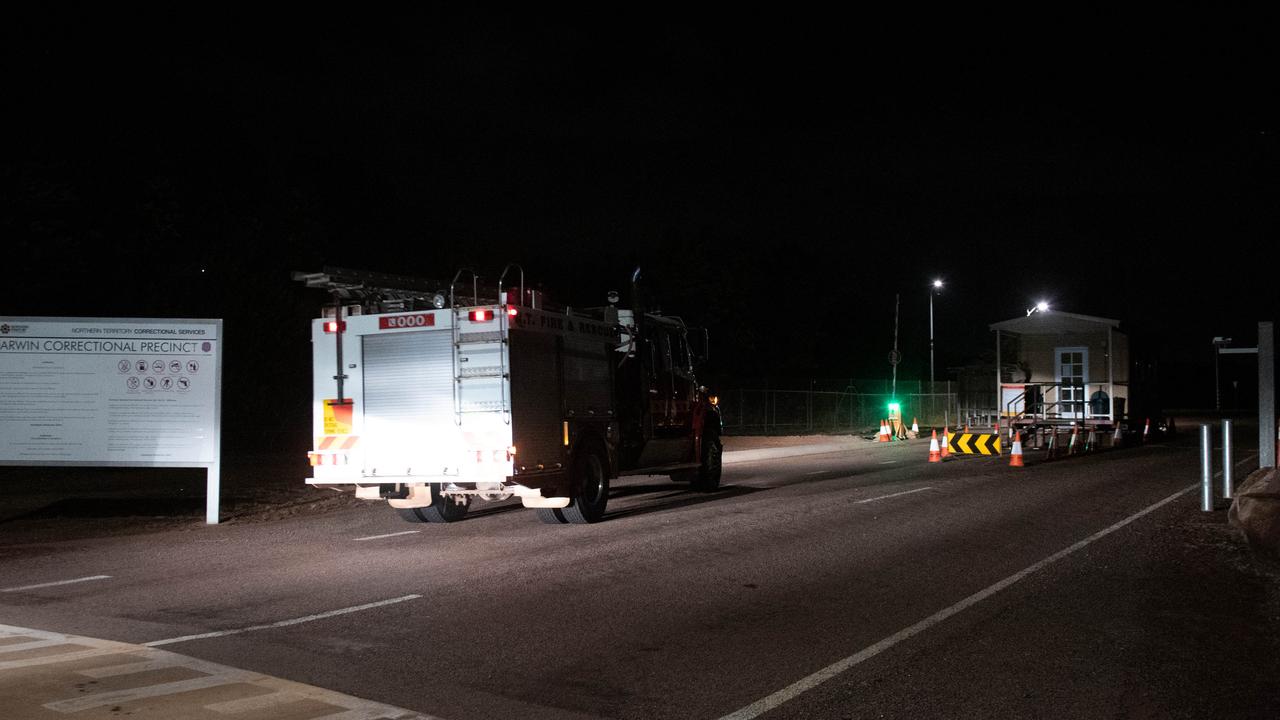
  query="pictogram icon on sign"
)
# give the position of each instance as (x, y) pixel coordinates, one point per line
(149, 383)
(133, 382)
(175, 367)
(184, 383)
(166, 383)
(123, 366)
(193, 366)
(157, 366)
(141, 365)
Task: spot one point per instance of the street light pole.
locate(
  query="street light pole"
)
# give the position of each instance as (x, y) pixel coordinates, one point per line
(937, 286)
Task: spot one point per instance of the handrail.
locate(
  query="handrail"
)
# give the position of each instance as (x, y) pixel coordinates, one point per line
(503, 276)
(1076, 408)
(457, 348)
(505, 327)
(475, 286)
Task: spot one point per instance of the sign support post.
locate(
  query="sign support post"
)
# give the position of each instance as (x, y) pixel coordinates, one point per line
(213, 497)
(1266, 395)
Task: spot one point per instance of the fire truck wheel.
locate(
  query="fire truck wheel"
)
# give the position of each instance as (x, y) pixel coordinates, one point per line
(551, 516)
(708, 475)
(442, 509)
(591, 490)
(409, 515)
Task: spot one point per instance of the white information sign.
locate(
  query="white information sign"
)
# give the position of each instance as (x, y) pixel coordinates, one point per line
(104, 391)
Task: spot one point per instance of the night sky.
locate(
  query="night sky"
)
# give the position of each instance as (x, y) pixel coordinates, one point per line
(779, 179)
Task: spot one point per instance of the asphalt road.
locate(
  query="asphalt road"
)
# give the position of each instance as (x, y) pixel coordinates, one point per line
(904, 580)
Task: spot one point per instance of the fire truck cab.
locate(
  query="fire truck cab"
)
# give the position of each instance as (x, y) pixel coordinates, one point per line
(431, 401)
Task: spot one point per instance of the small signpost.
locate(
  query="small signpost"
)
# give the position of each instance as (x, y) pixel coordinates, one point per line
(112, 392)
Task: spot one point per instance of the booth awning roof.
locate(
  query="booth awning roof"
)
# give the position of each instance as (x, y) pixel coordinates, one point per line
(1054, 322)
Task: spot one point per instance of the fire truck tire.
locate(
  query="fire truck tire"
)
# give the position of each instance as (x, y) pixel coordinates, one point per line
(441, 510)
(551, 516)
(707, 478)
(591, 490)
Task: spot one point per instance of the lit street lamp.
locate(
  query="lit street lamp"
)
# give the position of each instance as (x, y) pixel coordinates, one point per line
(936, 288)
(1041, 306)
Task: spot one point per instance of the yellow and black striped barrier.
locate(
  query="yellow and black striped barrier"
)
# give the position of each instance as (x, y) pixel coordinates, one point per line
(974, 443)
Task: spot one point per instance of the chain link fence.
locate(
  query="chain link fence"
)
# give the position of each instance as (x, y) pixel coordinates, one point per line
(803, 411)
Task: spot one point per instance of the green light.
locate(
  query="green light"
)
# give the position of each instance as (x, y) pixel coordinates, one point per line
(894, 407)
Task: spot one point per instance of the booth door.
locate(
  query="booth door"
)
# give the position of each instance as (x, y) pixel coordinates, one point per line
(1073, 379)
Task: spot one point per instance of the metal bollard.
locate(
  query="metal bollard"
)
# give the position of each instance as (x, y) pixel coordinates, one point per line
(1206, 470)
(1226, 460)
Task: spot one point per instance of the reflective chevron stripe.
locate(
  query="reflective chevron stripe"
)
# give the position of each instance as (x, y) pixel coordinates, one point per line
(336, 443)
(974, 443)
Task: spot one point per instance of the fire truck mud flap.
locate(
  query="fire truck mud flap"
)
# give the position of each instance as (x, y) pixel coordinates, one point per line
(532, 498)
(419, 496)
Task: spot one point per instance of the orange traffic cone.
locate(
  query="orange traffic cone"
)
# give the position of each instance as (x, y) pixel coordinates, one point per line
(1146, 430)
(915, 429)
(1015, 457)
(1053, 444)
(1117, 437)
(884, 432)
(1091, 440)
(1075, 433)
(946, 447)
(935, 454)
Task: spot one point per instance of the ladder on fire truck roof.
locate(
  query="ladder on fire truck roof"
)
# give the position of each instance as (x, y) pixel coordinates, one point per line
(391, 292)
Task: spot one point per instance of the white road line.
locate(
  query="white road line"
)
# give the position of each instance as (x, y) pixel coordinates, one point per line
(883, 497)
(764, 705)
(394, 534)
(282, 623)
(31, 645)
(817, 472)
(118, 697)
(11, 630)
(58, 658)
(371, 714)
(283, 690)
(128, 668)
(52, 584)
(888, 462)
(269, 701)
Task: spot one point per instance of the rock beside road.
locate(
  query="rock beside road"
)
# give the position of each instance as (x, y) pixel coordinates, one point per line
(1256, 510)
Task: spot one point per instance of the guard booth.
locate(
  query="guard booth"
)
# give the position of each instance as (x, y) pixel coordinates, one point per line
(1060, 368)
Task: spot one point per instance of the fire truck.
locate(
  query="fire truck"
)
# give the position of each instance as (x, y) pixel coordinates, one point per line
(432, 397)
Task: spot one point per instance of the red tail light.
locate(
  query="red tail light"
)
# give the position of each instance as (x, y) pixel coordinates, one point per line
(481, 315)
(512, 311)
(335, 326)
